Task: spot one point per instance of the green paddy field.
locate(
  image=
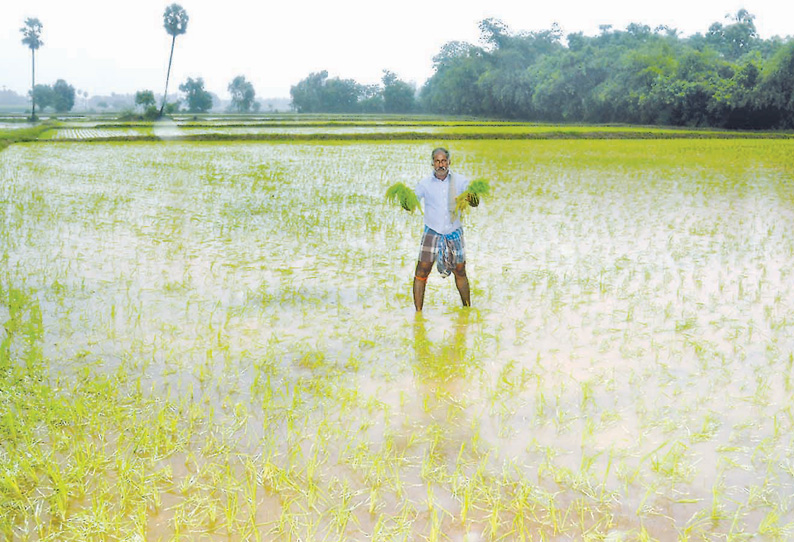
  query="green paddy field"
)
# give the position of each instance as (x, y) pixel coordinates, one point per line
(215, 339)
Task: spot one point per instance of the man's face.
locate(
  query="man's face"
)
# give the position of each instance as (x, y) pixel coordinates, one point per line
(440, 165)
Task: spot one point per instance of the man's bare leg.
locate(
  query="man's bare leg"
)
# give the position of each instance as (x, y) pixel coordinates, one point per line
(462, 283)
(420, 281)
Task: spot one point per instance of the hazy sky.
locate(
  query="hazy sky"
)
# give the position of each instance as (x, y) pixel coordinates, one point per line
(104, 46)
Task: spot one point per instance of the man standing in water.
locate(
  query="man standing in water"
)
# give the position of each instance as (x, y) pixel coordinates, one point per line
(442, 240)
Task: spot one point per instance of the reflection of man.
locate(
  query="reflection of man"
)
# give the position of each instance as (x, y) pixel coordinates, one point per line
(440, 371)
(442, 240)
(441, 362)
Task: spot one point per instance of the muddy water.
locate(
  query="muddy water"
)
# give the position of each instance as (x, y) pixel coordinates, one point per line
(627, 359)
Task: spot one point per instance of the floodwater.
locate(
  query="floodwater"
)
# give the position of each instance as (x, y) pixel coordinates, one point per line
(625, 367)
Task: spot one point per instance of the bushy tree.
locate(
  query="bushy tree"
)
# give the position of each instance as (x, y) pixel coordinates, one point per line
(307, 94)
(317, 93)
(197, 99)
(736, 39)
(341, 95)
(453, 88)
(63, 96)
(243, 94)
(146, 100)
(59, 96)
(398, 96)
(44, 96)
(776, 88)
(370, 99)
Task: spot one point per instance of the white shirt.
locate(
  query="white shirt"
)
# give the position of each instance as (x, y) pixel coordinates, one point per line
(435, 192)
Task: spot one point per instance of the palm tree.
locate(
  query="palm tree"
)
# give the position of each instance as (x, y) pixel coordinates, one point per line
(175, 22)
(32, 38)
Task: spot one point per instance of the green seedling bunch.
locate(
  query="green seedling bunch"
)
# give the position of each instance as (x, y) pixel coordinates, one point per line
(471, 197)
(399, 193)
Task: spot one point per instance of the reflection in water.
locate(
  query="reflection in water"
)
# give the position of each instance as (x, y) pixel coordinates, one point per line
(439, 362)
(440, 376)
(438, 418)
(165, 128)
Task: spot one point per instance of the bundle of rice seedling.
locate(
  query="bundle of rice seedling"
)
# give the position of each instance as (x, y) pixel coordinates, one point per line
(472, 195)
(399, 193)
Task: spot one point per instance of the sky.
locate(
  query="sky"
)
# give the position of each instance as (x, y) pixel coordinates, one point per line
(104, 46)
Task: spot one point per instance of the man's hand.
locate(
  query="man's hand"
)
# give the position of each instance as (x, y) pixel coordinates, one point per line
(467, 199)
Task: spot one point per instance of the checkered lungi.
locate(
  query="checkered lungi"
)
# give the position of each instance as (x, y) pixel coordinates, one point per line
(446, 250)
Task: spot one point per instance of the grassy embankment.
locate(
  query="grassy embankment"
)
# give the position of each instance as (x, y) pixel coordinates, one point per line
(8, 137)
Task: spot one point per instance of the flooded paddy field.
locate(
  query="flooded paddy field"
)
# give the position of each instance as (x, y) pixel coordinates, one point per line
(216, 341)
(289, 127)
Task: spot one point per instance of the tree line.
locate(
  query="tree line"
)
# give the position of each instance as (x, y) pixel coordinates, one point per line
(318, 93)
(728, 77)
(196, 99)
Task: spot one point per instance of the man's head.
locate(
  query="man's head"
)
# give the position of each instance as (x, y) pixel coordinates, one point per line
(441, 162)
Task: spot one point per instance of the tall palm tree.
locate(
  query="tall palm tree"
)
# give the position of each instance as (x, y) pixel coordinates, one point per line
(175, 22)
(32, 38)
